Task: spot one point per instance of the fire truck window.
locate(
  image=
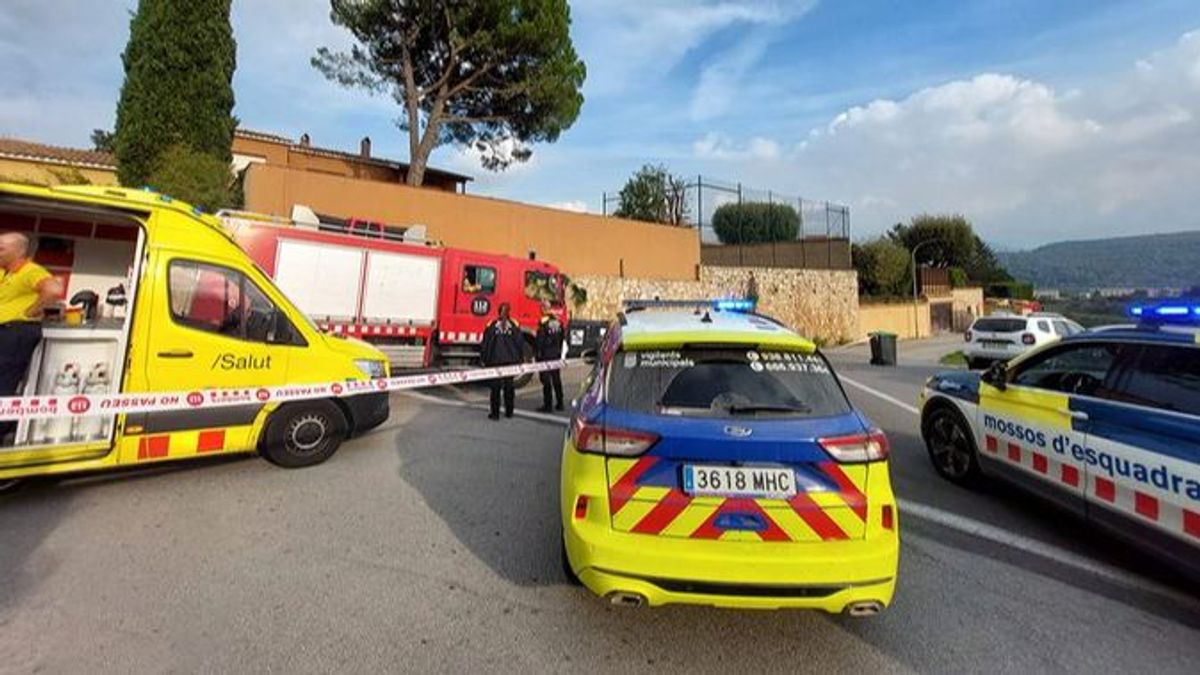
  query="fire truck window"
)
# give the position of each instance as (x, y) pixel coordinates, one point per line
(479, 279)
(223, 301)
(541, 286)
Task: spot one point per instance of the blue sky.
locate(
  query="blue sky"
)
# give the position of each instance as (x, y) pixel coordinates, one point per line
(1038, 120)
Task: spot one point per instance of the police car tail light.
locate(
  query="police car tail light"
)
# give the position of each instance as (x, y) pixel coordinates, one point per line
(604, 440)
(1028, 338)
(869, 447)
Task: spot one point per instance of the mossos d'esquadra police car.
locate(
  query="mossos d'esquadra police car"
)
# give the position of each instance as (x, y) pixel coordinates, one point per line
(713, 458)
(1105, 424)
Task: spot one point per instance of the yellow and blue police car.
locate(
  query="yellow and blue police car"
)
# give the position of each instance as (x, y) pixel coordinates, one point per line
(713, 458)
(1104, 423)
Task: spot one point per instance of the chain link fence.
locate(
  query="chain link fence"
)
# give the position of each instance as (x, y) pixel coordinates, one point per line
(821, 240)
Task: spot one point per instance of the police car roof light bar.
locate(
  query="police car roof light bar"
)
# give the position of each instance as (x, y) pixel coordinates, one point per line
(744, 305)
(1177, 311)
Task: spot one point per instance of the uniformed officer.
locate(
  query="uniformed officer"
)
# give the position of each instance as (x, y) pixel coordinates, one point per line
(26, 288)
(547, 346)
(503, 345)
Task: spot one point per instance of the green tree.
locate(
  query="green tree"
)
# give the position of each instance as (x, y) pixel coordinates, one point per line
(178, 89)
(984, 267)
(952, 240)
(193, 176)
(653, 195)
(103, 141)
(494, 75)
(755, 222)
(883, 267)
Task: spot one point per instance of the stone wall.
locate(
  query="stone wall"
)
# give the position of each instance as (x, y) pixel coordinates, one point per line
(820, 304)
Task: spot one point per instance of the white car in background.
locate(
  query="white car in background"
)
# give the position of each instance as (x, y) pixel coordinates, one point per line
(1000, 337)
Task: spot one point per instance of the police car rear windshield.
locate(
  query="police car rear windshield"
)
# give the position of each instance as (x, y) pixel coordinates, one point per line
(993, 325)
(725, 382)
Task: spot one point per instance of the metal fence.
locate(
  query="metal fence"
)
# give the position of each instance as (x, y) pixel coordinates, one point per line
(702, 196)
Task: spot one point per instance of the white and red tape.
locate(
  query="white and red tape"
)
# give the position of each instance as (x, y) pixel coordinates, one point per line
(83, 405)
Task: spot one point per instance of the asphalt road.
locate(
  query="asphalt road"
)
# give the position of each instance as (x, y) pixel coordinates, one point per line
(432, 545)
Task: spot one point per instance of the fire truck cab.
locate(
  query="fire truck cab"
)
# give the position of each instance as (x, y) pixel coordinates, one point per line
(422, 304)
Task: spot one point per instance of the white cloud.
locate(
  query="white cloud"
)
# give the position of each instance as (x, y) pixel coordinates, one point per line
(576, 205)
(718, 146)
(1026, 162)
(632, 42)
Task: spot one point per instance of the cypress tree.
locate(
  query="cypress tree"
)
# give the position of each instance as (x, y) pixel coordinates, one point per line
(178, 88)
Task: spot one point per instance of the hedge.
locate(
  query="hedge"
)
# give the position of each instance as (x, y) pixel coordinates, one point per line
(755, 222)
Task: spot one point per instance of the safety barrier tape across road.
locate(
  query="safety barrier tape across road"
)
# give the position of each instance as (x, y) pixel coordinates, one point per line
(83, 405)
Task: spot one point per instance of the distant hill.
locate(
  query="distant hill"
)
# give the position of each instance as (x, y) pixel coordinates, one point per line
(1147, 261)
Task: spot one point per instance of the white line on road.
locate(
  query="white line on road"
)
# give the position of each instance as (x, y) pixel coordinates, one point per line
(996, 535)
(945, 519)
(875, 392)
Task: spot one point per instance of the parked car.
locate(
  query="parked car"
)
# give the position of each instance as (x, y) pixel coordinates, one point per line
(1104, 424)
(1000, 337)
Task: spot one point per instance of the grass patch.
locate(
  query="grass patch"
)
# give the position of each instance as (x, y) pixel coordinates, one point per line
(954, 359)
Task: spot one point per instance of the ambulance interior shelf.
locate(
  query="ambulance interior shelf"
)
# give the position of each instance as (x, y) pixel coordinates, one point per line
(80, 349)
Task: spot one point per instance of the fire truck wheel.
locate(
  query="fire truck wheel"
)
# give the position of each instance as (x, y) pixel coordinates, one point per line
(304, 434)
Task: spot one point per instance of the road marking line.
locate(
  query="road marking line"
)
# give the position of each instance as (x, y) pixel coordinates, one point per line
(875, 392)
(946, 519)
(997, 535)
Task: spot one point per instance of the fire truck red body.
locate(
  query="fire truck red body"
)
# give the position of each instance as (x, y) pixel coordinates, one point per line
(421, 304)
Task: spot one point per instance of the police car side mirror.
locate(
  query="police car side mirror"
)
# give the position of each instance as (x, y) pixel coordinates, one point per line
(996, 375)
(590, 356)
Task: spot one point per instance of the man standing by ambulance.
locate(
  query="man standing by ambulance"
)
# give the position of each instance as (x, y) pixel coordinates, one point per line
(26, 288)
(547, 346)
(503, 345)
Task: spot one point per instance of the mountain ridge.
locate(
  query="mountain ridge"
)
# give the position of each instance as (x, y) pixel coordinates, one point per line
(1162, 260)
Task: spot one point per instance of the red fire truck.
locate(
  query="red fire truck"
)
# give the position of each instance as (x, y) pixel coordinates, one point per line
(422, 304)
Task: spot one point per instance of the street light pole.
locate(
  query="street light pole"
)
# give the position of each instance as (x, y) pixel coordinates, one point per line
(916, 314)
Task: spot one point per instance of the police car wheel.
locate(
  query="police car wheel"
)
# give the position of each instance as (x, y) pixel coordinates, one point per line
(9, 485)
(951, 448)
(304, 434)
(977, 364)
(572, 578)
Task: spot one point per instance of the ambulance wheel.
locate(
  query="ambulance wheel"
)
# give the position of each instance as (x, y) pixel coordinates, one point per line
(304, 434)
(572, 578)
(951, 446)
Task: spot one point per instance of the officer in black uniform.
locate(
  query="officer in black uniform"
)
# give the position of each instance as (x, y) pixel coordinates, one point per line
(503, 345)
(547, 346)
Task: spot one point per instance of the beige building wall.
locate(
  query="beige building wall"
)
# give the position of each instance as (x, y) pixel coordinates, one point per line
(579, 243)
(819, 304)
(51, 173)
(898, 318)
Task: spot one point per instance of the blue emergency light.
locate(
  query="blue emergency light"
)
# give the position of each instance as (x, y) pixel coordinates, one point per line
(1177, 311)
(741, 305)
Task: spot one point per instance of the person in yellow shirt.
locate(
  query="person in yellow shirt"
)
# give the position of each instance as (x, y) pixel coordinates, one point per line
(26, 288)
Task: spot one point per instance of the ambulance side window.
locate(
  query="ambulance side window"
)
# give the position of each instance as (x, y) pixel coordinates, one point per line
(1167, 378)
(223, 301)
(1072, 369)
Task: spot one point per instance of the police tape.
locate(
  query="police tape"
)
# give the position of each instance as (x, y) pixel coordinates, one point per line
(90, 405)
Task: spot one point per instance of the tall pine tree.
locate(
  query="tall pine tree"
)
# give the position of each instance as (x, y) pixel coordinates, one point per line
(178, 87)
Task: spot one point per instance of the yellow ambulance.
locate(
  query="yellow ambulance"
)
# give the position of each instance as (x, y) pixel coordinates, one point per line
(159, 298)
